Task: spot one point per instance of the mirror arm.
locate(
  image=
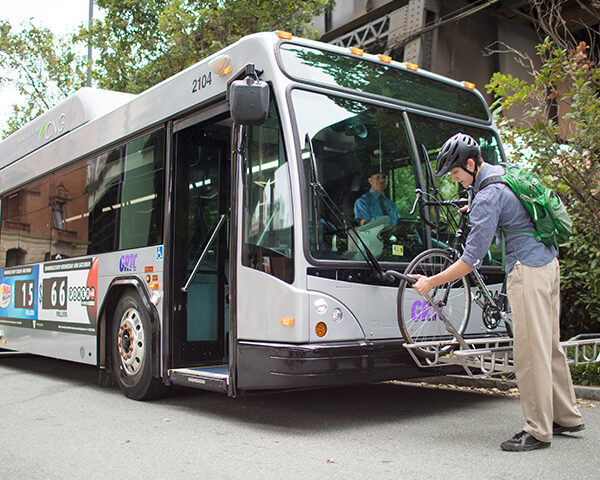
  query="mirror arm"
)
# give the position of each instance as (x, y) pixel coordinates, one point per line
(248, 70)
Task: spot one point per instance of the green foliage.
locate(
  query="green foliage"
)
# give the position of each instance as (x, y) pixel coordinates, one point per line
(143, 42)
(586, 374)
(138, 44)
(43, 68)
(564, 149)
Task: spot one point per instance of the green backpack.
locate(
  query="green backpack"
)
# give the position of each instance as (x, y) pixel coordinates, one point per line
(552, 222)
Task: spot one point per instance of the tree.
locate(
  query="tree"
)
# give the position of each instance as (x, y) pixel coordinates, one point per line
(559, 134)
(141, 43)
(43, 68)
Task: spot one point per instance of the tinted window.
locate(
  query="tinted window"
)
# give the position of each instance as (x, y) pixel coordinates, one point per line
(352, 141)
(268, 219)
(330, 68)
(109, 202)
(69, 212)
(104, 175)
(142, 192)
(25, 230)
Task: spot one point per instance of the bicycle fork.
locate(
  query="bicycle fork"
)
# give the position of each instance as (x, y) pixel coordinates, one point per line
(447, 323)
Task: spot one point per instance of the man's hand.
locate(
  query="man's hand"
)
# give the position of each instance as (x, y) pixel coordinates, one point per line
(423, 285)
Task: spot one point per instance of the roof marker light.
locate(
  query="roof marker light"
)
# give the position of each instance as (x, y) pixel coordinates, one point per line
(284, 35)
(219, 64)
(357, 51)
(385, 58)
(469, 85)
(412, 66)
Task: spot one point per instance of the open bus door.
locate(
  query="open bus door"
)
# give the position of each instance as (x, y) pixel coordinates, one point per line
(200, 250)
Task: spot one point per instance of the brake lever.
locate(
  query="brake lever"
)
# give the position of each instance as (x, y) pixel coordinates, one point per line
(417, 198)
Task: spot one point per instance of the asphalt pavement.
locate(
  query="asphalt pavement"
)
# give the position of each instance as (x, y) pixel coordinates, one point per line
(57, 423)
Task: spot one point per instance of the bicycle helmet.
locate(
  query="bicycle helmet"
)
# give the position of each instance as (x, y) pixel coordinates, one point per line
(455, 152)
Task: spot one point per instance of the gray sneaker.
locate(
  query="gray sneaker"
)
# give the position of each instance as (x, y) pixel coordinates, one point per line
(559, 429)
(523, 442)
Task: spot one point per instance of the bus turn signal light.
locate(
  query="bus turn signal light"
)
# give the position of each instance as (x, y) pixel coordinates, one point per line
(321, 329)
(284, 35)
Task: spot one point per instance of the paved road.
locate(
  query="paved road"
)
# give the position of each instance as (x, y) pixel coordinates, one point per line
(56, 423)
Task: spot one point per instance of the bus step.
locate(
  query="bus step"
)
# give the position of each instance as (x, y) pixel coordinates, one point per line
(214, 378)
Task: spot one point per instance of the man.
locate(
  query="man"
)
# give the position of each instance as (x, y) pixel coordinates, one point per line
(533, 288)
(374, 203)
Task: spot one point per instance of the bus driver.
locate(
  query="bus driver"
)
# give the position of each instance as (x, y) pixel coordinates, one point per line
(374, 203)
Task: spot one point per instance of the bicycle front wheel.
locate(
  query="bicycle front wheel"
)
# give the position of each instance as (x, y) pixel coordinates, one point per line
(417, 320)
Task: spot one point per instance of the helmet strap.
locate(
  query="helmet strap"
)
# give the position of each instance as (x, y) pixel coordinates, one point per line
(472, 173)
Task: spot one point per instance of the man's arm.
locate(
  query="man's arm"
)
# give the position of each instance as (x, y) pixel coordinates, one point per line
(455, 271)
(361, 210)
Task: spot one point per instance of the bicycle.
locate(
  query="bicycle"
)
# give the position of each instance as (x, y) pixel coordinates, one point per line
(437, 322)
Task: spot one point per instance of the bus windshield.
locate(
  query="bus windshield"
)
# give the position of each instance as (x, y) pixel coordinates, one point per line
(352, 142)
(327, 68)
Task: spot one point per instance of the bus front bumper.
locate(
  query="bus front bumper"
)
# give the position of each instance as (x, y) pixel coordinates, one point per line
(262, 365)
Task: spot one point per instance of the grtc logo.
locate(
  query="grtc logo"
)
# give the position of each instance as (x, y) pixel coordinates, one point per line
(127, 262)
(422, 311)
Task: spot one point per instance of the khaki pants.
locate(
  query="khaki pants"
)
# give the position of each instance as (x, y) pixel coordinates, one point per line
(541, 368)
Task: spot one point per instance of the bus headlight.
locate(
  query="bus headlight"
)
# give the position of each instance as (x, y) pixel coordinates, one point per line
(337, 315)
(320, 306)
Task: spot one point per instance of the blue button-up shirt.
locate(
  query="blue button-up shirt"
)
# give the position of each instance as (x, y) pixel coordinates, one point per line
(367, 206)
(497, 206)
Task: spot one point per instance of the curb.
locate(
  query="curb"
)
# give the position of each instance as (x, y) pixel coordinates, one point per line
(586, 393)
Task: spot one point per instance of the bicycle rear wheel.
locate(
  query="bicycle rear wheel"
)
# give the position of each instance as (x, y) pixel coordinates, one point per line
(417, 320)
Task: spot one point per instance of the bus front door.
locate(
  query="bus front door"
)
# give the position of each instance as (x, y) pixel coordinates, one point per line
(201, 184)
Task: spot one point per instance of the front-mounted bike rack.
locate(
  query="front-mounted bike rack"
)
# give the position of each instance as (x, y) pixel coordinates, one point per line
(490, 355)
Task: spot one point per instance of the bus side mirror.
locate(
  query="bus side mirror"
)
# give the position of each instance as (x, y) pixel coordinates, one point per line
(249, 100)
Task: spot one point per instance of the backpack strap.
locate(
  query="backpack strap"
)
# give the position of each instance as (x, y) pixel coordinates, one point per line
(489, 181)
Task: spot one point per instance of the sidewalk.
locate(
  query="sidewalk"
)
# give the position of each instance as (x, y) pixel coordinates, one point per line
(587, 393)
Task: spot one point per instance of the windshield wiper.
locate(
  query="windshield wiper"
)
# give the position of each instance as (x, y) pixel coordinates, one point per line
(320, 192)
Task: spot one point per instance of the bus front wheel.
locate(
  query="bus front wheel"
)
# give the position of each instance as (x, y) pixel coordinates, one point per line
(132, 349)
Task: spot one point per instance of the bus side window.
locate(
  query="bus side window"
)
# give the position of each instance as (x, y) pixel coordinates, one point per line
(268, 218)
(25, 232)
(104, 173)
(69, 212)
(142, 192)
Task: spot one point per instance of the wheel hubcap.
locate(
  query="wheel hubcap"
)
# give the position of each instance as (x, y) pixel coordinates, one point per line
(131, 342)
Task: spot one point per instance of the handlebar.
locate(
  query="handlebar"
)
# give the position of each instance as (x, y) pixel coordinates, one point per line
(461, 202)
(419, 200)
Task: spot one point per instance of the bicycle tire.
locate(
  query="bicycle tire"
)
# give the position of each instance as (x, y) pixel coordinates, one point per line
(417, 320)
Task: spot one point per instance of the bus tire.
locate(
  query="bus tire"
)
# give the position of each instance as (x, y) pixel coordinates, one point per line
(132, 349)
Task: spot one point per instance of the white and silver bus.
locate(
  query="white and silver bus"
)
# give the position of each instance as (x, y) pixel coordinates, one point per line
(175, 236)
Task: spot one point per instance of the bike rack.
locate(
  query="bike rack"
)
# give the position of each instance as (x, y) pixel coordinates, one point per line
(486, 356)
(482, 356)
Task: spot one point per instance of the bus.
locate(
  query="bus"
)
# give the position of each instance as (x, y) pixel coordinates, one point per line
(176, 237)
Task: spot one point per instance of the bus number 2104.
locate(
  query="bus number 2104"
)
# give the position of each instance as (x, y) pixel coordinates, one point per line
(201, 82)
